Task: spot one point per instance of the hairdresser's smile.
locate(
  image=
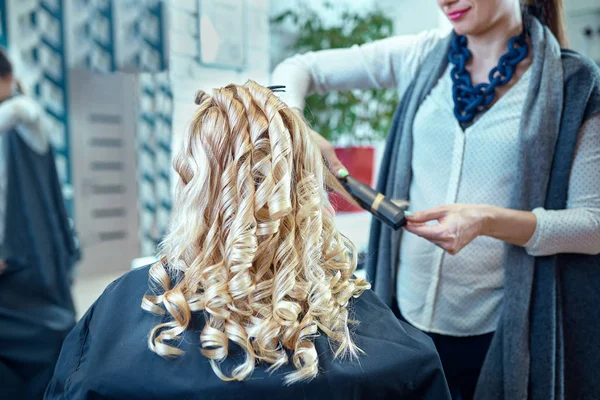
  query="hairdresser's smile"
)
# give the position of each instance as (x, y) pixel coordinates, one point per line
(458, 14)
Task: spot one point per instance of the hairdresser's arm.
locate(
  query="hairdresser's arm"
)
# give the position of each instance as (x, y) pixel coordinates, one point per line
(384, 63)
(460, 224)
(575, 229)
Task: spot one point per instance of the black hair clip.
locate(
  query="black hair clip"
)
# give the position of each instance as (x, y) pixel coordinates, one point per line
(277, 88)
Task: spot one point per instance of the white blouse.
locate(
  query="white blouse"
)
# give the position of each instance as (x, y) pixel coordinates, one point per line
(456, 295)
(26, 115)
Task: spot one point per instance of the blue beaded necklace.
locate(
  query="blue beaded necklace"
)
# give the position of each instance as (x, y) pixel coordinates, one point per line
(470, 100)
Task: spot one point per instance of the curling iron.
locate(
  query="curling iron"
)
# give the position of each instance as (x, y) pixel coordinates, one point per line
(369, 199)
(374, 202)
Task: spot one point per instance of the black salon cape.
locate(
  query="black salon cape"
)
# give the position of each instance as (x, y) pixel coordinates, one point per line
(106, 356)
(36, 308)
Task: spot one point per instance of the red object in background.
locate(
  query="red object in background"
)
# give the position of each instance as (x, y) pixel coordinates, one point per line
(360, 163)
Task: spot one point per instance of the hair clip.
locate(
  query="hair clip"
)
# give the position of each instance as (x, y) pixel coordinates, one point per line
(277, 88)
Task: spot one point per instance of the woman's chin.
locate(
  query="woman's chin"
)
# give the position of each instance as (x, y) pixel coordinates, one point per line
(463, 28)
(469, 29)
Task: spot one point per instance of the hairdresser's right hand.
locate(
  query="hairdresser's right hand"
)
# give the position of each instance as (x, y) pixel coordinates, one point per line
(3, 266)
(328, 151)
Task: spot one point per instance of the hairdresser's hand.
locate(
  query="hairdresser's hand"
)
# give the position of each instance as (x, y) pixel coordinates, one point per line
(328, 151)
(3, 266)
(458, 225)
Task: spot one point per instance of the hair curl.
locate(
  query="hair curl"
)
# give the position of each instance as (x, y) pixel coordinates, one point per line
(253, 240)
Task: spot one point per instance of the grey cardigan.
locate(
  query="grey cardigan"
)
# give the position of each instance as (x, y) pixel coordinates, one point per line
(547, 344)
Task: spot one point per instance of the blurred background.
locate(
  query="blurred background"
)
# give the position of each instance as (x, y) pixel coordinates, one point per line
(117, 80)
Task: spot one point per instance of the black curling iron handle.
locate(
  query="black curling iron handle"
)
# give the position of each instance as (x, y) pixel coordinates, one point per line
(376, 203)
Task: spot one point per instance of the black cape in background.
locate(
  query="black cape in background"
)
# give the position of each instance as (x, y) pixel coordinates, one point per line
(36, 308)
(106, 356)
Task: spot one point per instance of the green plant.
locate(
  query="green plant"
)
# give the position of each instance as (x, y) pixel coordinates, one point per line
(357, 116)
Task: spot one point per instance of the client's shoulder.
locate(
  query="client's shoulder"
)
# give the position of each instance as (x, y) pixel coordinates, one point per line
(130, 280)
(382, 336)
(124, 295)
(118, 317)
(375, 319)
(396, 361)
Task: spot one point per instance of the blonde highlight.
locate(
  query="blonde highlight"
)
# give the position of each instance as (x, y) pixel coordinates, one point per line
(253, 241)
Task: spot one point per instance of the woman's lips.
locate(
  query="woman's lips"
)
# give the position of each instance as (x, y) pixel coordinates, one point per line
(456, 15)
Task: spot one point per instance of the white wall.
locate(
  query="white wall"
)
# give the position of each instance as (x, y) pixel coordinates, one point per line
(414, 16)
(583, 14)
(188, 76)
(409, 16)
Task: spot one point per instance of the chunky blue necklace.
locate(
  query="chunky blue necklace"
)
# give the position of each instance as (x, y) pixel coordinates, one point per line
(470, 100)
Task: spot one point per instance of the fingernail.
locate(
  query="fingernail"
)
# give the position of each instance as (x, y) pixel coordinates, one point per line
(342, 173)
(409, 214)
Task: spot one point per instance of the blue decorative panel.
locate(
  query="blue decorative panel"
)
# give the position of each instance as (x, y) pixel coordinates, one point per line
(3, 27)
(102, 57)
(154, 159)
(53, 84)
(153, 31)
(119, 35)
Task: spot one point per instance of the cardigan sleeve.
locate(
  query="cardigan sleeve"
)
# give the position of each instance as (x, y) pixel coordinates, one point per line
(577, 228)
(385, 63)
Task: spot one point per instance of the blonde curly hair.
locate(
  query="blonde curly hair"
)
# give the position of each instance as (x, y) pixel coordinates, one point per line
(253, 240)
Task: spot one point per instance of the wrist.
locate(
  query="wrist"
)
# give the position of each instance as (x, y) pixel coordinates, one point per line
(491, 215)
(512, 226)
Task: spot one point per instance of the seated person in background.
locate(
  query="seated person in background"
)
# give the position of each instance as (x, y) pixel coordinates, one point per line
(37, 247)
(254, 296)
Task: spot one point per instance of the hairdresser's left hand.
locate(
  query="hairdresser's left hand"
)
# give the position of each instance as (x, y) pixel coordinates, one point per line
(458, 225)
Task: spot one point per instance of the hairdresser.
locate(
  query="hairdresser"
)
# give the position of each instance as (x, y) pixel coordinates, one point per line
(37, 249)
(496, 145)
